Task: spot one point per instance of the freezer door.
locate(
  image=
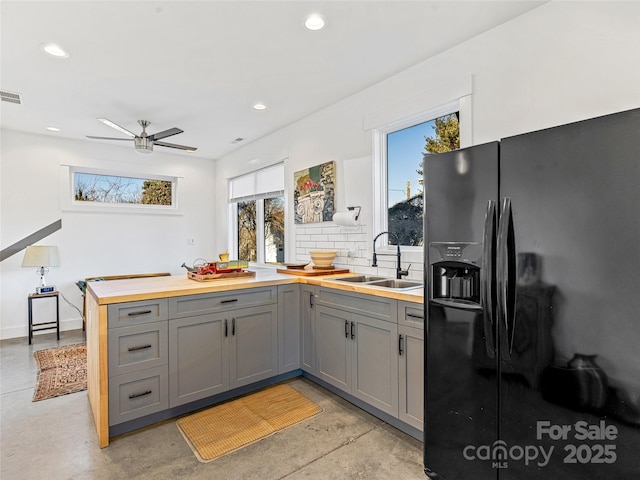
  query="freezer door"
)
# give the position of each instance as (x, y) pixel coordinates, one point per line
(460, 374)
(570, 389)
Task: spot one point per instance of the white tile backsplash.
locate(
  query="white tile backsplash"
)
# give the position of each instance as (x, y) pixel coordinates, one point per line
(354, 246)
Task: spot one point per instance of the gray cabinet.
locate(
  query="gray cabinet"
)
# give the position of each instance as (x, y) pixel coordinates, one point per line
(333, 346)
(355, 351)
(288, 328)
(253, 345)
(308, 300)
(411, 363)
(221, 341)
(199, 361)
(138, 355)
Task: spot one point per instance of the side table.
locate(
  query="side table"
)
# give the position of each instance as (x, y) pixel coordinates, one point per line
(36, 327)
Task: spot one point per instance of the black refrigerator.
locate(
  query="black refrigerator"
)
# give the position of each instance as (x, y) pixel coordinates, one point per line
(532, 305)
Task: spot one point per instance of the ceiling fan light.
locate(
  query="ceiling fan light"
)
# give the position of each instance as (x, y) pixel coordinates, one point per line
(143, 145)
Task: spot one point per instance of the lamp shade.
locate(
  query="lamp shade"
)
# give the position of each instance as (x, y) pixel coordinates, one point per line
(41, 256)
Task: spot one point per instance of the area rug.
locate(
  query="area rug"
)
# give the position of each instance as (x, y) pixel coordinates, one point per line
(62, 370)
(230, 426)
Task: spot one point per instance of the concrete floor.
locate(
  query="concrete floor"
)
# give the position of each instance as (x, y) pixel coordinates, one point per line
(56, 439)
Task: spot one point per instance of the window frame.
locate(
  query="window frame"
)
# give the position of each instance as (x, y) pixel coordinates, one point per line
(259, 197)
(379, 139)
(69, 203)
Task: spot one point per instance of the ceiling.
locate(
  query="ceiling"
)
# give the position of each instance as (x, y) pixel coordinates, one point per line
(201, 65)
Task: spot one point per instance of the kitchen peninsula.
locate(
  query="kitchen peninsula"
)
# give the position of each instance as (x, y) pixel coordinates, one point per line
(163, 346)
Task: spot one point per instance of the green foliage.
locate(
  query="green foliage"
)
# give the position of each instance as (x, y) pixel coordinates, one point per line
(447, 137)
(156, 192)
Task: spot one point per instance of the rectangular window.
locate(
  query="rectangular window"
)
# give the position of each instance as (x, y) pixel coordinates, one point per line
(247, 221)
(274, 229)
(96, 190)
(256, 203)
(406, 149)
(113, 189)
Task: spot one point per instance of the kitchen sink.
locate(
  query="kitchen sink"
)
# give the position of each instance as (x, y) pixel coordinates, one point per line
(384, 282)
(396, 284)
(361, 279)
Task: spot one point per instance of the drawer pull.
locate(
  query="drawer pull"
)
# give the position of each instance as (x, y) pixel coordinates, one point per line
(346, 329)
(352, 334)
(400, 349)
(413, 315)
(233, 327)
(136, 395)
(229, 301)
(141, 347)
(143, 312)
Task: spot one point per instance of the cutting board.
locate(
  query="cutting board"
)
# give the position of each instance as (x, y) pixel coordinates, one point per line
(311, 273)
(220, 276)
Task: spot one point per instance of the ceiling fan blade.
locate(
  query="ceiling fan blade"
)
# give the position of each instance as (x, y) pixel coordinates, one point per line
(111, 124)
(165, 133)
(173, 145)
(108, 138)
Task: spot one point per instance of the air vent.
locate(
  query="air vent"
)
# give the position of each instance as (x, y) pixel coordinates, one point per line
(11, 97)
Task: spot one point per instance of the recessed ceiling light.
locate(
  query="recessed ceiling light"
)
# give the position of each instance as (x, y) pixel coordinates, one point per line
(314, 22)
(54, 50)
(259, 106)
(53, 129)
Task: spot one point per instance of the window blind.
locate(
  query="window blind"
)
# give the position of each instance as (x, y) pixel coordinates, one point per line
(264, 183)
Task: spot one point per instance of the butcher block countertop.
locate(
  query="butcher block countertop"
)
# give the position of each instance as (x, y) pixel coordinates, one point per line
(117, 291)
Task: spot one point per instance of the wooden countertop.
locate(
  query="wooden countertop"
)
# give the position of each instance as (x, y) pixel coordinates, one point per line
(130, 290)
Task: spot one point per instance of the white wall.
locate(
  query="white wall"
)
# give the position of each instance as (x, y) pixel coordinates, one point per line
(92, 244)
(562, 62)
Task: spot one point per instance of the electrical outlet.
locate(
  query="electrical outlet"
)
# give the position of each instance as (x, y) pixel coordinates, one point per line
(191, 241)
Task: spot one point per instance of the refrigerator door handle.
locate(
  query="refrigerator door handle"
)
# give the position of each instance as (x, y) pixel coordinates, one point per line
(487, 280)
(506, 280)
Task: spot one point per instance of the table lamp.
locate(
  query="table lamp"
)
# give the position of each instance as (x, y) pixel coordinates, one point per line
(42, 257)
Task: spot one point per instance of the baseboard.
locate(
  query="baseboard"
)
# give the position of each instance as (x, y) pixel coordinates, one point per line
(23, 330)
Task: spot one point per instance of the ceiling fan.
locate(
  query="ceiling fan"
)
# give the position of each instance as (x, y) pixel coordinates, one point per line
(144, 142)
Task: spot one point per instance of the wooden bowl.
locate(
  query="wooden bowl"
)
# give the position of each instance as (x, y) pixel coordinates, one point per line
(323, 258)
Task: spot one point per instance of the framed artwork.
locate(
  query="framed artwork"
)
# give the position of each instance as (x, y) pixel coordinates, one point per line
(314, 193)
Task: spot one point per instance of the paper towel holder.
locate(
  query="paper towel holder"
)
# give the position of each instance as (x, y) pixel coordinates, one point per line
(357, 214)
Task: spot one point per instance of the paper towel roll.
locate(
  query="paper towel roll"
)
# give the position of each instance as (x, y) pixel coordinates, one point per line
(345, 218)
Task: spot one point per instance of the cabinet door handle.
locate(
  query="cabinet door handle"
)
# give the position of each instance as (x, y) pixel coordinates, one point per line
(141, 347)
(226, 328)
(229, 301)
(400, 349)
(346, 329)
(233, 327)
(311, 295)
(142, 312)
(136, 395)
(352, 331)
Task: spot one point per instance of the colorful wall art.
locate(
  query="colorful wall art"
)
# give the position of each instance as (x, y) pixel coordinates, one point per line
(314, 193)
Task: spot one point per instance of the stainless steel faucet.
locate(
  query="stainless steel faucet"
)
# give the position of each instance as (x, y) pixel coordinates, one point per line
(399, 272)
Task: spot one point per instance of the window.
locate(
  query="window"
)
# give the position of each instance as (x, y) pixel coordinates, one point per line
(111, 191)
(256, 202)
(399, 150)
(99, 188)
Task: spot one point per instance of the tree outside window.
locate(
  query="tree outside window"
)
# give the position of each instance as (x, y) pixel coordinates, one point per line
(114, 189)
(406, 150)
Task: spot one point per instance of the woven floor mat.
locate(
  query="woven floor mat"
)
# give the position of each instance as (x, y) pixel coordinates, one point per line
(227, 427)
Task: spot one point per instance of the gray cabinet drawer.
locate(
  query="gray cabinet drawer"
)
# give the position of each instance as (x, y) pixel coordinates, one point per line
(138, 394)
(137, 347)
(370, 305)
(133, 313)
(190, 305)
(411, 314)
